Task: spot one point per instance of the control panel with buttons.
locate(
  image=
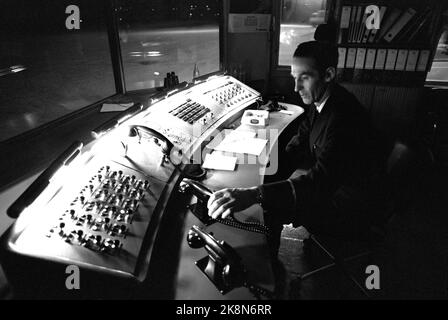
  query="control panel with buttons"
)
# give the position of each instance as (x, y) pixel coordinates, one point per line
(185, 116)
(100, 217)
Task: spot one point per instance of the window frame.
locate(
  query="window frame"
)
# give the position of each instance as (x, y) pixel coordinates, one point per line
(114, 50)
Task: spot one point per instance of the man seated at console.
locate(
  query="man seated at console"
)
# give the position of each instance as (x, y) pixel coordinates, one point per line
(335, 193)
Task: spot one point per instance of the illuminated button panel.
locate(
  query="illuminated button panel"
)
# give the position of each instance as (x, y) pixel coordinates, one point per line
(231, 94)
(190, 111)
(100, 216)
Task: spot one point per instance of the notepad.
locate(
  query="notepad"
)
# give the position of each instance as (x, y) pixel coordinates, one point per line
(219, 162)
(114, 107)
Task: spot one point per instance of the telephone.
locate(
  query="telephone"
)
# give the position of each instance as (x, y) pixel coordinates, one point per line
(136, 130)
(191, 171)
(222, 265)
(200, 210)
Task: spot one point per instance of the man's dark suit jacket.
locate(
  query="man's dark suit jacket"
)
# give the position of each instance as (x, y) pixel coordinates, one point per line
(337, 186)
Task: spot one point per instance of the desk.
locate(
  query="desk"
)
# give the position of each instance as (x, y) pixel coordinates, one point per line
(252, 247)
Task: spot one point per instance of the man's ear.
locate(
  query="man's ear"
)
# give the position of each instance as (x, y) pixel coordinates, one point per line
(330, 74)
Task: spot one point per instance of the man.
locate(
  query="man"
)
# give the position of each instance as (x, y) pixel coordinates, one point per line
(333, 195)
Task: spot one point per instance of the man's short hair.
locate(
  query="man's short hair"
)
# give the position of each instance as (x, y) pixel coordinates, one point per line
(324, 53)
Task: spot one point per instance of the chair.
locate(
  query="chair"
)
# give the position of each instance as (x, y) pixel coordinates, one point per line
(401, 167)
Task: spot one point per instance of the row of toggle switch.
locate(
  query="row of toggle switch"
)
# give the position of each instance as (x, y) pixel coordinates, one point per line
(88, 240)
(100, 216)
(231, 96)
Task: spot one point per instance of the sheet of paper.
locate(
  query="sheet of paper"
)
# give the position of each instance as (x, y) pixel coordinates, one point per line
(219, 162)
(238, 143)
(241, 134)
(114, 107)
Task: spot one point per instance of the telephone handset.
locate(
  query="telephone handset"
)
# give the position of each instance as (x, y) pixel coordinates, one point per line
(190, 170)
(135, 130)
(223, 266)
(200, 210)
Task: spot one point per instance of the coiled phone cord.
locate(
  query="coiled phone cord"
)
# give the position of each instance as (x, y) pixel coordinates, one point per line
(248, 226)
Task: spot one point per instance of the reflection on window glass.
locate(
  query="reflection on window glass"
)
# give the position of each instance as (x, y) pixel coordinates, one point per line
(299, 19)
(162, 36)
(46, 70)
(439, 68)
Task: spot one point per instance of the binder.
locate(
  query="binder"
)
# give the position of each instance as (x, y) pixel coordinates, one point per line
(380, 59)
(341, 58)
(422, 64)
(351, 56)
(344, 24)
(359, 65)
(389, 67)
(345, 17)
(362, 26)
(370, 59)
(397, 76)
(388, 22)
(350, 64)
(379, 65)
(413, 36)
(399, 25)
(369, 65)
(352, 22)
(371, 35)
(411, 63)
(391, 59)
(356, 24)
(414, 26)
(342, 53)
(401, 60)
(366, 35)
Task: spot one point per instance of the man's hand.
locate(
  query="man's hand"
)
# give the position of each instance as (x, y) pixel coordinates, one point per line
(228, 201)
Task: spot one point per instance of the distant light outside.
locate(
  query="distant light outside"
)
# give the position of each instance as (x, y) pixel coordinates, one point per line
(161, 37)
(299, 19)
(46, 70)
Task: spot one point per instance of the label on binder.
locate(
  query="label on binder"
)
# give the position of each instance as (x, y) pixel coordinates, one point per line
(391, 59)
(380, 59)
(360, 58)
(345, 17)
(412, 60)
(351, 56)
(370, 59)
(401, 60)
(341, 59)
(423, 60)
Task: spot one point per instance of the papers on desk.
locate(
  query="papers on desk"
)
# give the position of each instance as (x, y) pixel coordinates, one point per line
(242, 142)
(219, 162)
(114, 107)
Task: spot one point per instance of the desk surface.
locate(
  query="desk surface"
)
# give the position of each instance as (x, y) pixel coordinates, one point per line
(252, 247)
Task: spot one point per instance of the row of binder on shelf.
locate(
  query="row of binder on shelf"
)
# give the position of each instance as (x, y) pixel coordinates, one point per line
(395, 25)
(378, 65)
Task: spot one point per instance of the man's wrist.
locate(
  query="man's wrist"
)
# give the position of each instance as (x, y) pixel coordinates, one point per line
(258, 192)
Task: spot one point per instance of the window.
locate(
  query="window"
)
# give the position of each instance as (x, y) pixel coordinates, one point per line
(299, 19)
(159, 37)
(46, 70)
(439, 68)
